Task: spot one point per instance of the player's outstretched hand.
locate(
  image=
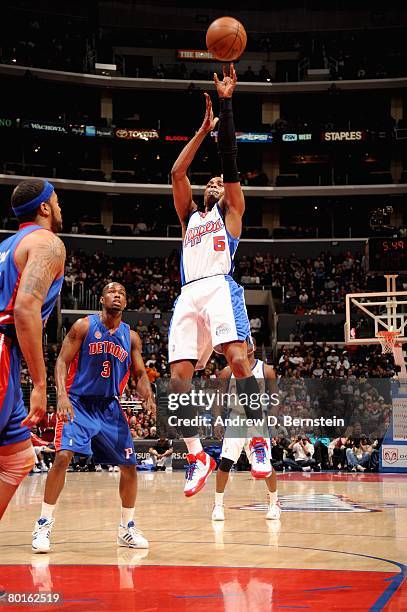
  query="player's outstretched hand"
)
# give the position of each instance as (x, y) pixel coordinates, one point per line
(38, 405)
(226, 87)
(64, 409)
(209, 121)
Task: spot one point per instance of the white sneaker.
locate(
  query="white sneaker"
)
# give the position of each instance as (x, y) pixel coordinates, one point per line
(200, 467)
(116, 468)
(110, 468)
(44, 467)
(274, 512)
(36, 469)
(98, 468)
(41, 534)
(131, 537)
(360, 468)
(260, 460)
(218, 513)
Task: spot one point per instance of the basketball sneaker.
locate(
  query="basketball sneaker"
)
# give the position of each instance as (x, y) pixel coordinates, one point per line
(260, 459)
(274, 512)
(41, 534)
(200, 467)
(218, 513)
(131, 537)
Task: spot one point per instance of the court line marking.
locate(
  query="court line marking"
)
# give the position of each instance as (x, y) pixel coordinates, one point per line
(265, 532)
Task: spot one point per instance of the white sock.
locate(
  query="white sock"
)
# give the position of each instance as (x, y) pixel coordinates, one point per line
(273, 497)
(47, 510)
(194, 445)
(219, 499)
(127, 516)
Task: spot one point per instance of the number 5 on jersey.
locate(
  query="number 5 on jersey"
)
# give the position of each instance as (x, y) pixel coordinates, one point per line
(106, 369)
(219, 243)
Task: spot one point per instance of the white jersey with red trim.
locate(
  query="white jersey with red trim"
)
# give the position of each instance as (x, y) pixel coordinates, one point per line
(208, 249)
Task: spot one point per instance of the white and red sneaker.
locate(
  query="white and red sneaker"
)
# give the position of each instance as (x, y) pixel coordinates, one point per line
(200, 467)
(260, 458)
(274, 511)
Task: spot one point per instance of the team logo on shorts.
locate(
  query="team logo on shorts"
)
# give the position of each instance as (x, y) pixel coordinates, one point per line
(223, 329)
(98, 334)
(128, 452)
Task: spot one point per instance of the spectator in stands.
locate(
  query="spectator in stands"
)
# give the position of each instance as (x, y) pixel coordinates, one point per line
(303, 452)
(47, 425)
(43, 451)
(161, 454)
(358, 455)
(255, 328)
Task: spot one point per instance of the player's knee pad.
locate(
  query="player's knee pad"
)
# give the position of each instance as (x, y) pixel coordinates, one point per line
(13, 468)
(225, 464)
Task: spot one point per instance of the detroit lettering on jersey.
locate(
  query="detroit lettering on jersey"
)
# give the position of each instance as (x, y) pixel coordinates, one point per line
(102, 365)
(96, 348)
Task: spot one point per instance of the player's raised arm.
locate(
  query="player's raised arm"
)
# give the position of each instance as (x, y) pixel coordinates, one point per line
(233, 200)
(181, 187)
(45, 262)
(70, 347)
(139, 372)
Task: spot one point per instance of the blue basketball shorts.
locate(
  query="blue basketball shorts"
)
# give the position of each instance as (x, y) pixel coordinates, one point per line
(99, 428)
(12, 409)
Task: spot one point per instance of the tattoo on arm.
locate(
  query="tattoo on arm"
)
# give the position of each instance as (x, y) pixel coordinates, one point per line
(42, 267)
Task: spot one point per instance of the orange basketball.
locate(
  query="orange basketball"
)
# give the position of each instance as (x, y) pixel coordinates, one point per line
(226, 38)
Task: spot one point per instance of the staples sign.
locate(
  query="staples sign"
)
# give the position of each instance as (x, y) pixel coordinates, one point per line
(344, 136)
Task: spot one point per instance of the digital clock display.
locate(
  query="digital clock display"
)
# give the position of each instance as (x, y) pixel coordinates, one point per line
(387, 255)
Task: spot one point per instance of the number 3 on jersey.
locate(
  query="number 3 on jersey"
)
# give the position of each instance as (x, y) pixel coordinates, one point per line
(219, 243)
(106, 369)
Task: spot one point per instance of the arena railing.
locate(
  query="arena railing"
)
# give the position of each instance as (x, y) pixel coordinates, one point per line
(116, 82)
(255, 192)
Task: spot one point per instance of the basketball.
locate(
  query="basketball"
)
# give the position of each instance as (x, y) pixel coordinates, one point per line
(226, 38)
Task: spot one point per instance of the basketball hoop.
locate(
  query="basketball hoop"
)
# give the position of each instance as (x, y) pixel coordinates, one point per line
(388, 340)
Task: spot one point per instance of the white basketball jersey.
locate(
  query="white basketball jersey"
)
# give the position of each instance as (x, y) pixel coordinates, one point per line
(208, 248)
(258, 372)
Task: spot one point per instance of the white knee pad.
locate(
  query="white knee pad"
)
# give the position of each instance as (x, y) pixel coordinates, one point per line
(13, 468)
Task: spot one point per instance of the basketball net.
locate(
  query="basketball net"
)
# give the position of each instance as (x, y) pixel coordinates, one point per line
(388, 341)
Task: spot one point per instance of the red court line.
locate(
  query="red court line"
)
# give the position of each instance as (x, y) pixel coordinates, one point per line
(201, 589)
(341, 477)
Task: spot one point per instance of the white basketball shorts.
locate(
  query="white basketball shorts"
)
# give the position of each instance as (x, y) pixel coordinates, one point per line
(208, 313)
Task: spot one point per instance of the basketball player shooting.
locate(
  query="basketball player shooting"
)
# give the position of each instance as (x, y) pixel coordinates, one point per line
(31, 275)
(91, 372)
(210, 313)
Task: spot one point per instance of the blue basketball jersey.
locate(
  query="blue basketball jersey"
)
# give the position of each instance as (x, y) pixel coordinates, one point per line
(10, 280)
(101, 367)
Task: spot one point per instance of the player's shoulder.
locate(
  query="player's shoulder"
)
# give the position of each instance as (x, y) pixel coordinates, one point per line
(269, 369)
(80, 327)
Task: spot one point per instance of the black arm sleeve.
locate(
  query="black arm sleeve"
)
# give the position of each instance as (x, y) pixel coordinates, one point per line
(227, 142)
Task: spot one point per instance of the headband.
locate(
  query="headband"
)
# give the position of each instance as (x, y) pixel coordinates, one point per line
(27, 207)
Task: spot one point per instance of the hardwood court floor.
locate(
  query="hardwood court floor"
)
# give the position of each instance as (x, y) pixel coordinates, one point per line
(341, 544)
